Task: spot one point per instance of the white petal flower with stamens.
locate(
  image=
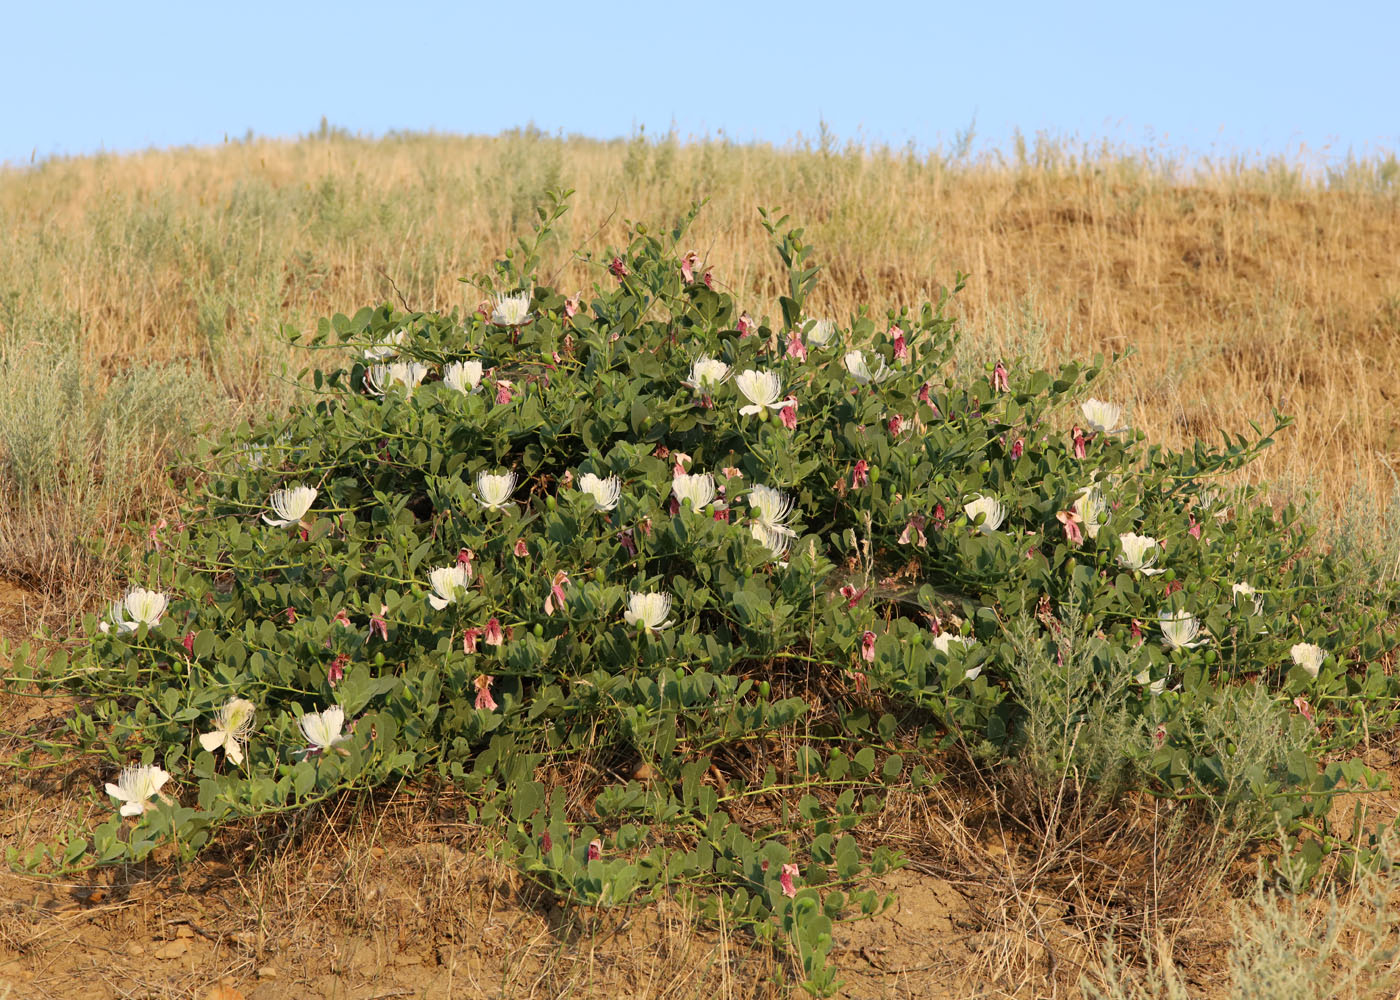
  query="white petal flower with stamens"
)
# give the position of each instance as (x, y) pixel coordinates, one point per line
(139, 607)
(409, 374)
(699, 489)
(511, 310)
(1139, 553)
(290, 505)
(943, 642)
(605, 492)
(231, 727)
(387, 347)
(136, 786)
(1092, 509)
(448, 582)
(761, 389)
(648, 610)
(1155, 687)
(773, 509)
(1179, 629)
(707, 374)
(821, 333)
(1103, 417)
(322, 729)
(464, 376)
(992, 509)
(1308, 656)
(493, 491)
(1247, 590)
(861, 371)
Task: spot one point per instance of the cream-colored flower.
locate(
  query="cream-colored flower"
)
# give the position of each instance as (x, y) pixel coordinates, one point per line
(648, 610)
(387, 347)
(605, 492)
(861, 371)
(1308, 656)
(1103, 417)
(1179, 629)
(448, 582)
(1155, 687)
(707, 374)
(699, 489)
(136, 786)
(1248, 591)
(761, 389)
(772, 510)
(464, 376)
(1139, 553)
(290, 505)
(493, 491)
(992, 511)
(409, 374)
(139, 607)
(322, 729)
(821, 333)
(511, 310)
(231, 728)
(1092, 510)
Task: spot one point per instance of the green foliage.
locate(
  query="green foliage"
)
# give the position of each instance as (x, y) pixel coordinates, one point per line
(806, 664)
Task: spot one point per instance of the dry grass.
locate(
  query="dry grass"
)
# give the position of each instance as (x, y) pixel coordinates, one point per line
(1239, 288)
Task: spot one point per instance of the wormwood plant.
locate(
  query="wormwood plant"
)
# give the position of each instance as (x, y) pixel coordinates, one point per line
(724, 579)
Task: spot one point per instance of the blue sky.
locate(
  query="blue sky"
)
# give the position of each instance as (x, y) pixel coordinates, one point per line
(1226, 77)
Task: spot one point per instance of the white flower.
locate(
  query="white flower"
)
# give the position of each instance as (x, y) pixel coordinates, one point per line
(762, 389)
(860, 368)
(290, 505)
(822, 333)
(1139, 553)
(447, 583)
(1248, 591)
(707, 374)
(1091, 508)
(136, 786)
(1157, 686)
(494, 491)
(1309, 657)
(1179, 629)
(772, 510)
(512, 310)
(409, 374)
(993, 510)
(698, 489)
(605, 492)
(464, 376)
(230, 730)
(386, 348)
(139, 607)
(943, 642)
(1102, 417)
(322, 729)
(648, 610)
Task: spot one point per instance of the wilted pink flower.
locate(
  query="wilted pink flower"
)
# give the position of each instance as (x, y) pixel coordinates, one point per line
(377, 623)
(1018, 448)
(503, 394)
(595, 850)
(867, 646)
(709, 278)
(546, 844)
(494, 635)
(154, 534)
(1173, 587)
(342, 619)
(483, 692)
(795, 347)
(556, 596)
(645, 525)
(1000, 383)
(337, 669)
(1159, 736)
(785, 880)
(688, 263)
(858, 680)
(923, 394)
(464, 558)
(901, 346)
(861, 475)
(1080, 443)
(746, 325)
(1135, 629)
(618, 268)
(673, 506)
(188, 643)
(940, 516)
(916, 527)
(679, 462)
(291, 614)
(625, 538)
(1301, 704)
(469, 639)
(1070, 520)
(1195, 530)
(896, 425)
(852, 595)
(521, 549)
(788, 414)
(571, 306)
